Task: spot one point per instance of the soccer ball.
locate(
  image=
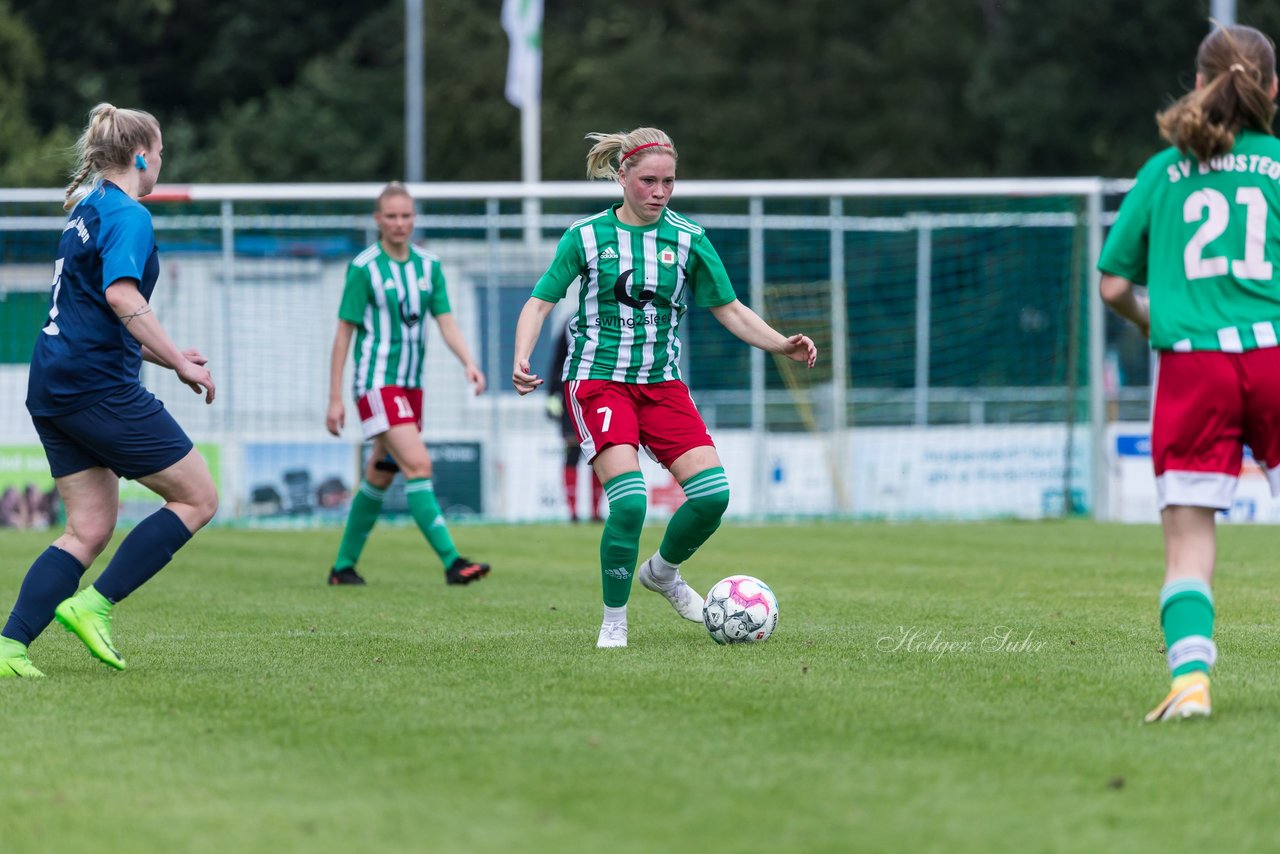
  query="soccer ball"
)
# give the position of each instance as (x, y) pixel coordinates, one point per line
(740, 609)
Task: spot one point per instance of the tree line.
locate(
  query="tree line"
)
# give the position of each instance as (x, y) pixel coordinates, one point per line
(312, 90)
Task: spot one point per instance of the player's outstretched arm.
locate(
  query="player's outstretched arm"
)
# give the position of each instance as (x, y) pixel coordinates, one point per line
(1127, 300)
(748, 326)
(453, 338)
(528, 328)
(135, 315)
(336, 415)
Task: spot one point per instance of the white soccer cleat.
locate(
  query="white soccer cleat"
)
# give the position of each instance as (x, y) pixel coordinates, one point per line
(612, 635)
(682, 597)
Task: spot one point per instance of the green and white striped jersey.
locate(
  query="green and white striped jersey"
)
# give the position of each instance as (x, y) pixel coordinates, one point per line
(388, 300)
(1205, 239)
(636, 285)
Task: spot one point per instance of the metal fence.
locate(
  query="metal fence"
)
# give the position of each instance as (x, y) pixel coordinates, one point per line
(954, 317)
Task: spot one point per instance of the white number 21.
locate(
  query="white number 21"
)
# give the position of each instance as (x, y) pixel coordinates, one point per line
(1211, 202)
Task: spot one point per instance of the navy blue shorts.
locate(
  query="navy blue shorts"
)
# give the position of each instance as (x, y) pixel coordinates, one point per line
(129, 432)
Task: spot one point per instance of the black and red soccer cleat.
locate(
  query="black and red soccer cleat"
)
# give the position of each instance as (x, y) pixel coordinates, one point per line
(465, 571)
(345, 576)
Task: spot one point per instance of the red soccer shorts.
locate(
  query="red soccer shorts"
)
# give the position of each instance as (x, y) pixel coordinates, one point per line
(383, 408)
(659, 416)
(1208, 406)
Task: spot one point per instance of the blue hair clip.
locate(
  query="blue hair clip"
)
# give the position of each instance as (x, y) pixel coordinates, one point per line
(140, 162)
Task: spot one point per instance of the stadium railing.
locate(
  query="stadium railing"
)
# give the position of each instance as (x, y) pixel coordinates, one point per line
(967, 367)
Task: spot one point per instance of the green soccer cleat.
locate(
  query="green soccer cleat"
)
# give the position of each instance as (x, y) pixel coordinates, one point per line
(88, 615)
(14, 663)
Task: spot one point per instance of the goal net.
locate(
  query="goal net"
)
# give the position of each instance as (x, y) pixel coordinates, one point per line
(952, 318)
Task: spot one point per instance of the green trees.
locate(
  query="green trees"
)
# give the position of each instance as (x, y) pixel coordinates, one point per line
(311, 90)
(28, 156)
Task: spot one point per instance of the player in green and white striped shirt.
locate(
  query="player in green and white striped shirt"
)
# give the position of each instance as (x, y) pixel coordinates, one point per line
(641, 265)
(391, 288)
(1201, 228)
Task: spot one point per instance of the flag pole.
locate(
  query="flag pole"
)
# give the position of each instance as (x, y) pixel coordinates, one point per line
(531, 161)
(414, 115)
(522, 19)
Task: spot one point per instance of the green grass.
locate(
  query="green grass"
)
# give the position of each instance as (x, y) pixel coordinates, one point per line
(263, 711)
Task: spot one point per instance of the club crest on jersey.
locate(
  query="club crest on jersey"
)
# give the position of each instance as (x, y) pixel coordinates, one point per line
(667, 257)
(609, 254)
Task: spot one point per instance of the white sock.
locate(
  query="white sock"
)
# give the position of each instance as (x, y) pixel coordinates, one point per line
(664, 573)
(615, 615)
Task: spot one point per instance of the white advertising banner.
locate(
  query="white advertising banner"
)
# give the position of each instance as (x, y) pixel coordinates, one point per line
(1133, 481)
(981, 472)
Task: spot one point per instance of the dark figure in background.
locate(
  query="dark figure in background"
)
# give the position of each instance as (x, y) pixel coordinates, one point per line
(572, 448)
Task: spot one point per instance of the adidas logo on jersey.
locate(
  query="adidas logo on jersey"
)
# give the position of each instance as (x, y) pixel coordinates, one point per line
(609, 254)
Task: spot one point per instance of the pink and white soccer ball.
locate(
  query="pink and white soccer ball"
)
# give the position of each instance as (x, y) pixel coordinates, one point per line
(740, 609)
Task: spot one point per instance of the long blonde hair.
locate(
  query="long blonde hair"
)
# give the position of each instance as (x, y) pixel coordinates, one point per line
(1237, 65)
(108, 143)
(612, 150)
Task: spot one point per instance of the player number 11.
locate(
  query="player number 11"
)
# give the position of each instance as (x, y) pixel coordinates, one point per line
(1255, 264)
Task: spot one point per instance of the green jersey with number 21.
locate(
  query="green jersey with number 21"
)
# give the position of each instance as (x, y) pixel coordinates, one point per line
(1205, 239)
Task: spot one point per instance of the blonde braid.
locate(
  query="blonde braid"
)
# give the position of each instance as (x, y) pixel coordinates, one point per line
(76, 181)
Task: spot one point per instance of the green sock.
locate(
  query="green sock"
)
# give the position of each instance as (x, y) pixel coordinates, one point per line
(620, 541)
(426, 512)
(366, 504)
(697, 519)
(1186, 613)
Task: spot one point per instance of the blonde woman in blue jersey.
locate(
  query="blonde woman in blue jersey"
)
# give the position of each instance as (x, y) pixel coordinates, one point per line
(96, 421)
(1201, 228)
(641, 265)
(391, 288)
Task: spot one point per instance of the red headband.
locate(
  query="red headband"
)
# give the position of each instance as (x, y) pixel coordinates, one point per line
(641, 148)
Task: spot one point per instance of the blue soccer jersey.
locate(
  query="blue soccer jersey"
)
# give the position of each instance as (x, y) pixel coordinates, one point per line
(84, 353)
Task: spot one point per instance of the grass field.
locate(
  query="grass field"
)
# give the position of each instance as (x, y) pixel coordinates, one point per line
(264, 711)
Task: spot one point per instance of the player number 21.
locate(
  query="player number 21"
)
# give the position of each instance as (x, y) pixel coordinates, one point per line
(1255, 264)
